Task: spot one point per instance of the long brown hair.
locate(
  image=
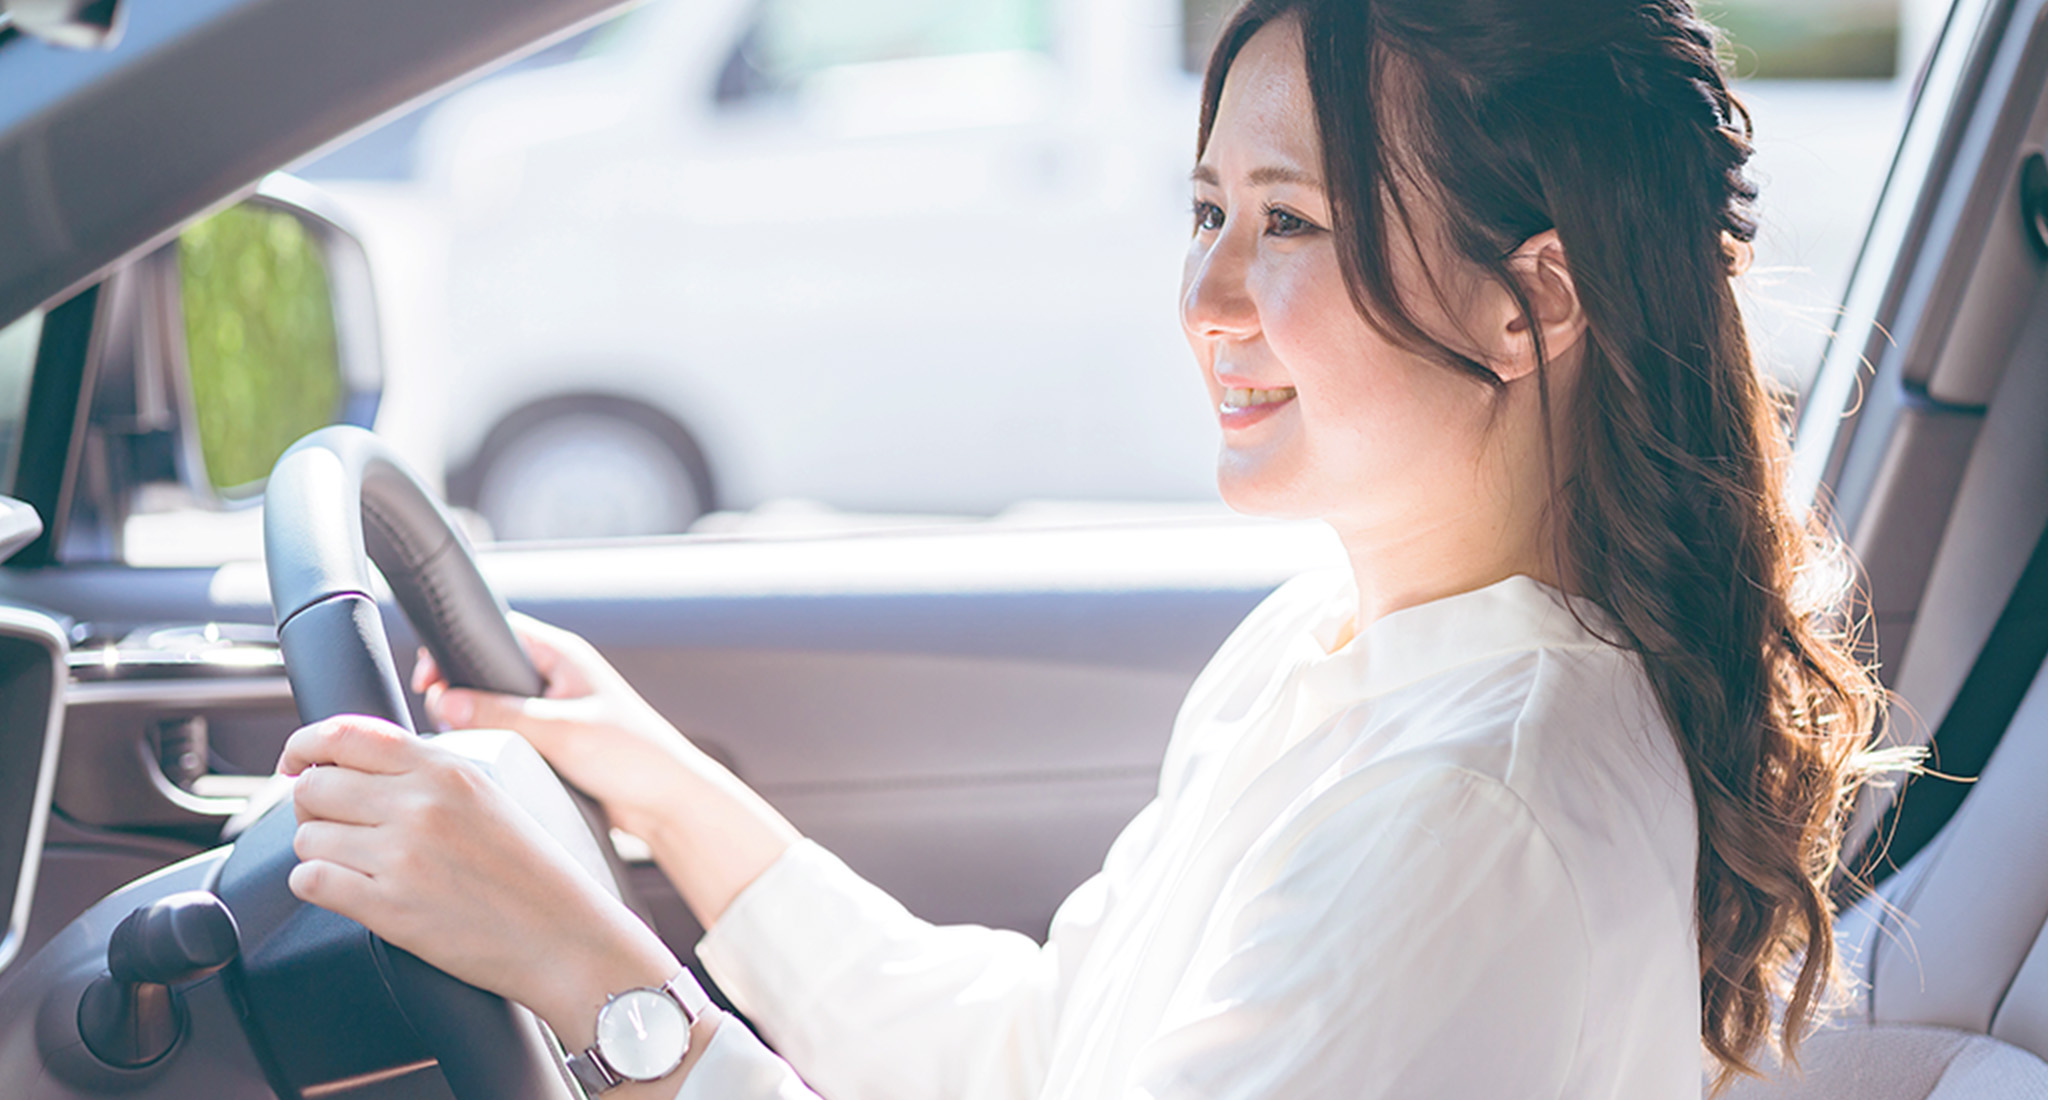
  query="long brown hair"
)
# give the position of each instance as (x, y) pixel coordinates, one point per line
(1610, 122)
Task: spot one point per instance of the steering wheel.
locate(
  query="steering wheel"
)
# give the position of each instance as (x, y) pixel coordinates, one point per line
(326, 1000)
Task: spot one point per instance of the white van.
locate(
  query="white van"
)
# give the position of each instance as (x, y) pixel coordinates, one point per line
(962, 218)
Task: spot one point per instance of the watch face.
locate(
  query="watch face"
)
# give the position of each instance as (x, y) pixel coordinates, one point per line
(643, 1034)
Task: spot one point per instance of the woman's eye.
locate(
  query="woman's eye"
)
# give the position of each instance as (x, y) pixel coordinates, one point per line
(1208, 217)
(1280, 223)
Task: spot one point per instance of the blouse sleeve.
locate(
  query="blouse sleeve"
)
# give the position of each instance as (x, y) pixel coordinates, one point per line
(1405, 935)
(737, 1067)
(872, 1003)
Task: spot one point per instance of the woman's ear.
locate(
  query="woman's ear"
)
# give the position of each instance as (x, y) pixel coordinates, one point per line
(1539, 268)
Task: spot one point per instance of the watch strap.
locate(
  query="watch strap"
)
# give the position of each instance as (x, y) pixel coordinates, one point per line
(688, 993)
(590, 1071)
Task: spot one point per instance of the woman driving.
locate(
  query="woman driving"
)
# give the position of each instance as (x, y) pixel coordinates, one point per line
(1540, 798)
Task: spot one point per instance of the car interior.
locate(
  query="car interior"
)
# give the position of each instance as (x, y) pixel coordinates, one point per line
(1945, 506)
(966, 715)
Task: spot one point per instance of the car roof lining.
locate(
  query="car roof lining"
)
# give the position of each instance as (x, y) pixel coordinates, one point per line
(208, 98)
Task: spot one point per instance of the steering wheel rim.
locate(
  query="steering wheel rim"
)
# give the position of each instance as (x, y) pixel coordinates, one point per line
(338, 500)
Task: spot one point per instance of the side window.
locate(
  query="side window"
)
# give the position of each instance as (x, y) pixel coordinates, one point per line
(923, 269)
(791, 40)
(18, 343)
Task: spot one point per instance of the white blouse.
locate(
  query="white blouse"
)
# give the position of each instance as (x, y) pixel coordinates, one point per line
(1452, 859)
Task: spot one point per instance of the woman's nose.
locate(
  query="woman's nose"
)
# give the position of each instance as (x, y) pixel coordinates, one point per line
(1215, 301)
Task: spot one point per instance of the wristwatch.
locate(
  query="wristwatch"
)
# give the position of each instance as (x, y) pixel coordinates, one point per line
(642, 1035)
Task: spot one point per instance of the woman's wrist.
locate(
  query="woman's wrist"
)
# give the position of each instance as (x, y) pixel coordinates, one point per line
(657, 793)
(603, 963)
(717, 839)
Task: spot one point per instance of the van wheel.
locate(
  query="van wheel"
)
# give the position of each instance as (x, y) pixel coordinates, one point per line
(589, 473)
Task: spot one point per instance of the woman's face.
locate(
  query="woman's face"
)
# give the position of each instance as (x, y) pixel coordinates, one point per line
(1321, 416)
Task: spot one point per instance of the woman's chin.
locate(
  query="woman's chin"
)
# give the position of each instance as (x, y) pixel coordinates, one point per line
(1252, 486)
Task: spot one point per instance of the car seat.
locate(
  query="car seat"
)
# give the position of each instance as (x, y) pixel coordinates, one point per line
(1950, 956)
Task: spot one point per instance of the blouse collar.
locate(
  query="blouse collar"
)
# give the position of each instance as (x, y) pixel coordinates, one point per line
(1415, 643)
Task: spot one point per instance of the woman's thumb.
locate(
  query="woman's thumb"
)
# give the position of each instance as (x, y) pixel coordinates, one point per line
(467, 709)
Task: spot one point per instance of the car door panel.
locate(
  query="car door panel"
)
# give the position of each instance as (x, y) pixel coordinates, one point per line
(968, 716)
(972, 788)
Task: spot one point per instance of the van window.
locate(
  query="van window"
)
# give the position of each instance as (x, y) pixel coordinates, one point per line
(1201, 21)
(794, 39)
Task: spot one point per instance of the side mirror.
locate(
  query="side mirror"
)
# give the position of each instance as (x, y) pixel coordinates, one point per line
(211, 355)
(268, 324)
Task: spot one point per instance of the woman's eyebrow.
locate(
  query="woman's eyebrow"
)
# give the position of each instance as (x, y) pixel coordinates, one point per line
(1264, 176)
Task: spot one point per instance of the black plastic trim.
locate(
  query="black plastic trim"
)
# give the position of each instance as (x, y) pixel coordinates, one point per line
(52, 428)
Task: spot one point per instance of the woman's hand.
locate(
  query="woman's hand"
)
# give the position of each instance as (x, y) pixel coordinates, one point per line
(711, 834)
(593, 728)
(424, 849)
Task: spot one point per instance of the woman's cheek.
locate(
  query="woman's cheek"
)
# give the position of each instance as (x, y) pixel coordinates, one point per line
(1306, 311)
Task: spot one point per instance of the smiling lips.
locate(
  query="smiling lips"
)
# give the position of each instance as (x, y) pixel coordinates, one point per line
(1242, 408)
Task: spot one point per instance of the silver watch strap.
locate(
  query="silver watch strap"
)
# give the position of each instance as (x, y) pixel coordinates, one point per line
(590, 1071)
(596, 1075)
(684, 988)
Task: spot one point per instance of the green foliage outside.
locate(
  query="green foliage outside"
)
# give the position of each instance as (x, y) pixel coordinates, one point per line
(1809, 39)
(260, 342)
(1767, 39)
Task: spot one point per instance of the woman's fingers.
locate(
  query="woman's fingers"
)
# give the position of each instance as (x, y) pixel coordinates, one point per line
(425, 672)
(563, 658)
(440, 711)
(542, 642)
(546, 657)
(466, 709)
(557, 655)
(454, 708)
(341, 794)
(548, 724)
(438, 860)
(355, 847)
(544, 645)
(333, 886)
(351, 741)
(533, 631)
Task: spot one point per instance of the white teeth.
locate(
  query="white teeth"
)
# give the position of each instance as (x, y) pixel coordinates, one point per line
(1245, 399)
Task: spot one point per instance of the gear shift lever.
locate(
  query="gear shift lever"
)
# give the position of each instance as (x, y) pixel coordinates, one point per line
(130, 1017)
